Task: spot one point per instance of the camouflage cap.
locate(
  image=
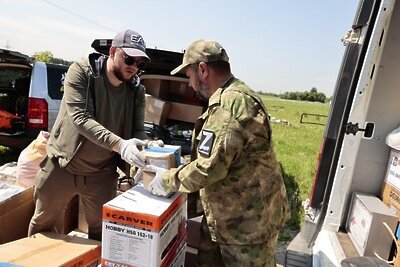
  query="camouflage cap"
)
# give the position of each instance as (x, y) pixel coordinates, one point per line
(202, 51)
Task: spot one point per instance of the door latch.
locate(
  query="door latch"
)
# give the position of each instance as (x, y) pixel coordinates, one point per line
(353, 128)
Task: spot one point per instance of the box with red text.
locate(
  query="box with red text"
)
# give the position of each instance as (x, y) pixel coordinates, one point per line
(141, 229)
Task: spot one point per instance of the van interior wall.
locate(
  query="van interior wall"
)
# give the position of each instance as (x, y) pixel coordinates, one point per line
(383, 111)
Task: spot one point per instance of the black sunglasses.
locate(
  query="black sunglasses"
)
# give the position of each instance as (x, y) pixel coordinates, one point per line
(131, 60)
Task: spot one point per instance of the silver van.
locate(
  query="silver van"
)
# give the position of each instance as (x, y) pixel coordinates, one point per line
(30, 97)
(354, 159)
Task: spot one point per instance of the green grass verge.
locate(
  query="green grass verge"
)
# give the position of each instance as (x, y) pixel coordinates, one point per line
(296, 146)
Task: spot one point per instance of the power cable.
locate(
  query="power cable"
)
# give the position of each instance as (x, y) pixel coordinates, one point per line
(88, 20)
(79, 16)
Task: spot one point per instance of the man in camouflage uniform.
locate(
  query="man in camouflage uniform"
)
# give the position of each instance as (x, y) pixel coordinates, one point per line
(233, 166)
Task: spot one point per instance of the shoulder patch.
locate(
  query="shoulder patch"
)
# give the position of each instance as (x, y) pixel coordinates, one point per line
(206, 143)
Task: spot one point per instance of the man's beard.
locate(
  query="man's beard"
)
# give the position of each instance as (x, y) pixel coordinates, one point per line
(202, 93)
(118, 73)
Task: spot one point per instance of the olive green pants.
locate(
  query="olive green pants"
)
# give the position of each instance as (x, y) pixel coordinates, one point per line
(54, 188)
(212, 254)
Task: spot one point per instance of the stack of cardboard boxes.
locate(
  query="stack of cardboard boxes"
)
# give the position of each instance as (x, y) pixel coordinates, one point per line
(140, 229)
(390, 193)
(44, 249)
(170, 99)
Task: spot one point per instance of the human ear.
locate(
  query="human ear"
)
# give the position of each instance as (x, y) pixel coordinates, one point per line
(112, 51)
(203, 68)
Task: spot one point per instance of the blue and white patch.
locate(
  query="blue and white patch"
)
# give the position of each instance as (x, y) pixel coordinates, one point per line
(206, 143)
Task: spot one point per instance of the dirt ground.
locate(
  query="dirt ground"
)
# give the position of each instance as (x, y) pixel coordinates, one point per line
(281, 248)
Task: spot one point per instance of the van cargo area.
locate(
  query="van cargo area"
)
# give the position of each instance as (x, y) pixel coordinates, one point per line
(14, 89)
(354, 157)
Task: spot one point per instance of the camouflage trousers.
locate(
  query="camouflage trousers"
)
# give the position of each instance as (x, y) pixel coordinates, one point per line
(212, 254)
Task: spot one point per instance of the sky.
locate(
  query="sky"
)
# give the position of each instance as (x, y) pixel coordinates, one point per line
(274, 46)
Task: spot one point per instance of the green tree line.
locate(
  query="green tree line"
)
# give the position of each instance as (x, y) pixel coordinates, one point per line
(47, 57)
(312, 96)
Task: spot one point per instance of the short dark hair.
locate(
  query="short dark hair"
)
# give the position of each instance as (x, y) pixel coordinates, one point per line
(220, 67)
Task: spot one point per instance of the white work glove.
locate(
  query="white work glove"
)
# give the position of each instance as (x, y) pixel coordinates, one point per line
(139, 173)
(138, 176)
(128, 149)
(158, 143)
(155, 186)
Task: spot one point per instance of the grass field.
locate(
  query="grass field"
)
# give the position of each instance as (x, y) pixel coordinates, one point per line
(296, 146)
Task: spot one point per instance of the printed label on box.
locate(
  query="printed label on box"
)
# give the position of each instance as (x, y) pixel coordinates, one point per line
(128, 244)
(393, 175)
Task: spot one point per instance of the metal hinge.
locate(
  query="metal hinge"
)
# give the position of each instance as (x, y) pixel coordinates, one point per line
(352, 36)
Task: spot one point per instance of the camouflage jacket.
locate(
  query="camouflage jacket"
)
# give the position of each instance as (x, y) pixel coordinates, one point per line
(234, 168)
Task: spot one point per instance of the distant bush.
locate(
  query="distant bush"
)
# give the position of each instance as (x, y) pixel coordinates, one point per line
(47, 57)
(267, 94)
(312, 96)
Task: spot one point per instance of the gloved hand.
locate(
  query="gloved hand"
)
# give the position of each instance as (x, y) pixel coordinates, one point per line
(128, 149)
(156, 186)
(159, 143)
(138, 175)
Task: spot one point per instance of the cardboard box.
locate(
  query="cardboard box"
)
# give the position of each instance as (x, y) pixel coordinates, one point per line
(184, 112)
(156, 110)
(51, 249)
(193, 240)
(365, 225)
(178, 258)
(193, 229)
(156, 85)
(391, 197)
(165, 157)
(390, 193)
(181, 88)
(392, 176)
(141, 229)
(15, 214)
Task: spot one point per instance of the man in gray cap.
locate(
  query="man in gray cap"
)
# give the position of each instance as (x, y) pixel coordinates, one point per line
(233, 166)
(100, 122)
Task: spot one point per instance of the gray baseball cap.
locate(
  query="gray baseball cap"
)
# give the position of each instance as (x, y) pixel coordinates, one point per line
(131, 42)
(202, 51)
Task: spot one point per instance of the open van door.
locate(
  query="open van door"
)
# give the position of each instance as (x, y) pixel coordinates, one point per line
(353, 155)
